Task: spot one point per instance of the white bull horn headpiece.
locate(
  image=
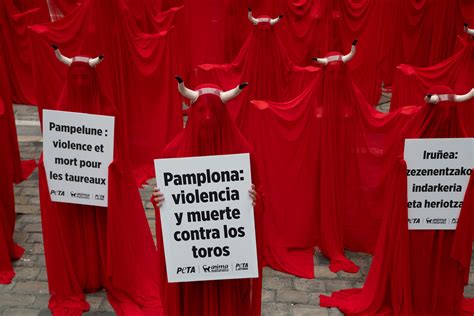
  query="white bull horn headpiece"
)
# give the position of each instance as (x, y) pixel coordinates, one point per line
(468, 30)
(193, 95)
(344, 58)
(436, 98)
(93, 62)
(255, 21)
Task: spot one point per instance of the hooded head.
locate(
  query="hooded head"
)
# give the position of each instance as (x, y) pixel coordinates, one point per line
(82, 92)
(210, 130)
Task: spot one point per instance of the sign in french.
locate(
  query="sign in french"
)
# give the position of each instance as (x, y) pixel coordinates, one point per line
(77, 151)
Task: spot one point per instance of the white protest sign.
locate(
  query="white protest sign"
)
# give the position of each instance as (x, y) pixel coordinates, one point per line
(207, 218)
(437, 177)
(77, 151)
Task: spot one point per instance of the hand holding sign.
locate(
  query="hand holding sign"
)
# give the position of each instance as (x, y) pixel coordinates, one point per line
(158, 197)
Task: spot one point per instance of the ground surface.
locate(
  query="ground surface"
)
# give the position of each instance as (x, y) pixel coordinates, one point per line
(28, 294)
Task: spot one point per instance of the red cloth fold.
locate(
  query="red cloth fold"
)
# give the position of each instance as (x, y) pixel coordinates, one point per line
(14, 38)
(264, 63)
(414, 272)
(211, 131)
(390, 32)
(411, 83)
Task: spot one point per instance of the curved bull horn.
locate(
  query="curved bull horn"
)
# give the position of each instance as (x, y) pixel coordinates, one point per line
(468, 30)
(61, 57)
(432, 98)
(185, 92)
(322, 61)
(232, 93)
(464, 97)
(252, 20)
(351, 54)
(95, 61)
(275, 20)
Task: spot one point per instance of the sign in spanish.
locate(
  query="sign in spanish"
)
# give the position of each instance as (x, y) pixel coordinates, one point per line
(77, 151)
(438, 172)
(207, 218)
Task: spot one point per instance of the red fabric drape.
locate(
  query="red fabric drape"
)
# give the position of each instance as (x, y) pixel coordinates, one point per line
(12, 170)
(212, 31)
(411, 83)
(138, 75)
(211, 131)
(389, 32)
(334, 179)
(16, 50)
(424, 32)
(314, 28)
(416, 273)
(87, 247)
(264, 63)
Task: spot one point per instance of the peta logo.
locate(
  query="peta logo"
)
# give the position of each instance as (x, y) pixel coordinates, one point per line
(241, 266)
(57, 192)
(185, 270)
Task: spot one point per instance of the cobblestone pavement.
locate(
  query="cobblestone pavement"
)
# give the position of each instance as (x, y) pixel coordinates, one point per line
(28, 294)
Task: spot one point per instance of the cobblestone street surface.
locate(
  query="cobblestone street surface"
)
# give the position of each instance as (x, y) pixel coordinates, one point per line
(28, 294)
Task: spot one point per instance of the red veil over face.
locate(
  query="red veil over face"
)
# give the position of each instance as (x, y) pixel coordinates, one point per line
(328, 147)
(211, 131)
(88, 248)
(416, 272)
(264, 63)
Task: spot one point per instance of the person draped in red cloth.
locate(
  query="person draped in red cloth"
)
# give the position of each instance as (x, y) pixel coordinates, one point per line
(263, 61)
(210, 131)
(328, 147)
(417, 272)
(88, 248)
(12, 170)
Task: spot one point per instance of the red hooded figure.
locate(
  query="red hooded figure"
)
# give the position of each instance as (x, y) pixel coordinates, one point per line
(12, 170)
(264, 63)
(86, 247)
(327, 145)
(417, 272)
(210, 131)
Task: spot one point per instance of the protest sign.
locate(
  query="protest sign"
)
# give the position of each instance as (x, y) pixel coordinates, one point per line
(77, 151)
(207, 218)
(438, 172)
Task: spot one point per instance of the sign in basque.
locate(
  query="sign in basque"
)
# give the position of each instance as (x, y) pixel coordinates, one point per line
(207, 218)
(77, 151)
(438, 172)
